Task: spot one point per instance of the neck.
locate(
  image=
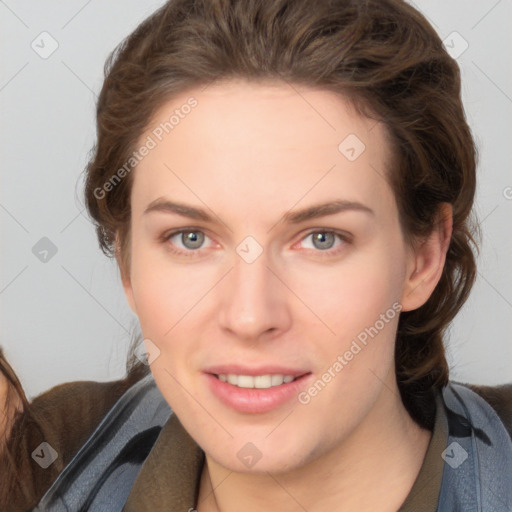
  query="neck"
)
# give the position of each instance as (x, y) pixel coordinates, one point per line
(374, 468)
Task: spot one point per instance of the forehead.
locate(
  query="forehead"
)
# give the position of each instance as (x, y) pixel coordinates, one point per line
(263, 109)
(272, 142)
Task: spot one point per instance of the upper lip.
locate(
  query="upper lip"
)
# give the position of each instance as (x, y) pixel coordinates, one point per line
(235, 369)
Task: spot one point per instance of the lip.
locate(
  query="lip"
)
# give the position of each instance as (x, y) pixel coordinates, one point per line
(255, 370)
(255, 400)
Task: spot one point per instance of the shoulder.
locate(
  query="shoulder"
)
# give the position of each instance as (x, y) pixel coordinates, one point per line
(64, 417)
(79, 399)
(499, 398)
(118, 446)
(84, 397)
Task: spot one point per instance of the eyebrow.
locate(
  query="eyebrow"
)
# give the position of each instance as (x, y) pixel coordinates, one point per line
(290, 217)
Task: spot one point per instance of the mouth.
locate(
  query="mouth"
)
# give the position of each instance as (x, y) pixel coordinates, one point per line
(256, 391)
(256, 381)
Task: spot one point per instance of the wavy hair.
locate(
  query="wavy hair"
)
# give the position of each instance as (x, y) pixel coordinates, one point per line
(382, 55)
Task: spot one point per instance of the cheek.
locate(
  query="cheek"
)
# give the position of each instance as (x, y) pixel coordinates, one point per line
(162, 292)
(346, 297)
(355, 293)
(175, 304)
(358, 304)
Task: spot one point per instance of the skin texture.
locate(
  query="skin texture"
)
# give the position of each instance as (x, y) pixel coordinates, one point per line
(248, 154)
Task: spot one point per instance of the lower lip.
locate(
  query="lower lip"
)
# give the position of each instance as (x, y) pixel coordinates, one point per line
(254, 400)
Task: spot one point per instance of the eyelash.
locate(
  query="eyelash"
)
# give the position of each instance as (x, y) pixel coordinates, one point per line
(344, 237)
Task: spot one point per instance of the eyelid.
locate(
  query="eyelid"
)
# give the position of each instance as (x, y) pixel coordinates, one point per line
(167, 235)
(345, 238)
(342, 235)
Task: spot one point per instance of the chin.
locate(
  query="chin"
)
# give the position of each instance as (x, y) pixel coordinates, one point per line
(261, 454)
(272, 463)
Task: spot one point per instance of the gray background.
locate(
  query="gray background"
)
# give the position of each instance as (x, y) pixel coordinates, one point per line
(66, 318)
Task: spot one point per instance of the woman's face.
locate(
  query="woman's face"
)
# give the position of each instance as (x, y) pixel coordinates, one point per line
(264, 284)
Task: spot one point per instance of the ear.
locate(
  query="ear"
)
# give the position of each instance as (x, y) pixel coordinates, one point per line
(125, 275)
(426, 261)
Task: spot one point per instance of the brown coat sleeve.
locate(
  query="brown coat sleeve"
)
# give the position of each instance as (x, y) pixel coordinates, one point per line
(64, 417)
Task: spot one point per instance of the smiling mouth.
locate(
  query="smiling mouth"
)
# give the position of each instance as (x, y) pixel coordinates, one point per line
(256, 381)
(264, 390)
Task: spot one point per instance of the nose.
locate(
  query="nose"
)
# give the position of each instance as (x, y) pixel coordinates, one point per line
(253, 302)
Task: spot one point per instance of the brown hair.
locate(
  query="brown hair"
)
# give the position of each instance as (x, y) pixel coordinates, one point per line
(381, 54)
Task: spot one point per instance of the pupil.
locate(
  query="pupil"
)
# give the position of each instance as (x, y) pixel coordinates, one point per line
(192, 238)
(321, 237)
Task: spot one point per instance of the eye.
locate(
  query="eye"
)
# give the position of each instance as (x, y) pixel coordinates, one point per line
(324, 240)
(190, 240)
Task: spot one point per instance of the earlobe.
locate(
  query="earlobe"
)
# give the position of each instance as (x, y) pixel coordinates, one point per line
(427, 262)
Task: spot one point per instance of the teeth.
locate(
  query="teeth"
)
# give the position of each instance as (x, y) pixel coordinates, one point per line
(259, 381)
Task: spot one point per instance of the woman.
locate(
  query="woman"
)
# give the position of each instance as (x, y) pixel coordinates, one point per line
(296, 350)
